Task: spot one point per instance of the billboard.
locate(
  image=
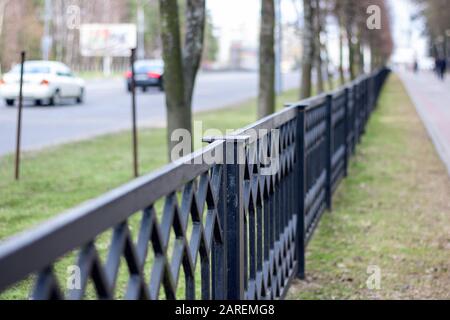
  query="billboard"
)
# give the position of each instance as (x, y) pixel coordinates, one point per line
(107, 40)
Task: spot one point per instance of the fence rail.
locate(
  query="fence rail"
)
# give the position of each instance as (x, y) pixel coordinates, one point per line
(234, 229)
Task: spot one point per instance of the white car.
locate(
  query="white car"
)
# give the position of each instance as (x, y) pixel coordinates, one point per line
(44, 82)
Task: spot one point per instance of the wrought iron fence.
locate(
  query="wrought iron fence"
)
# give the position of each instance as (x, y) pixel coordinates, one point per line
(233, 229)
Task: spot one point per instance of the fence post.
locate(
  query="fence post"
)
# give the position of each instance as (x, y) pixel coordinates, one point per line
(361, 103)
(234, 162)
(301, 187)
(219, 253)
(232, 215)
(366, 99)
(357, 107)
(346, 131)
(329, 151)
(372, 93)
(351, 123)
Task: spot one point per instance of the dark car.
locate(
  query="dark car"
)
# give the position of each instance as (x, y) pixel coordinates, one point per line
(148, 73)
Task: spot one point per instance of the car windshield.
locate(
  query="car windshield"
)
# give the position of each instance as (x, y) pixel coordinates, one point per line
(32, 68)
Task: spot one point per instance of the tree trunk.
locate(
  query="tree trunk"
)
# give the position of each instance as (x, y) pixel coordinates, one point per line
(349, 15)
(193, 45)
(308, 50)
(266, 97)
(341, 52)
(178, 112)
(181, 65)
(361, 60)
(330, 77)
(373, 63)
(360, 53)
(318, 48)
(3, 4)
(351, 53)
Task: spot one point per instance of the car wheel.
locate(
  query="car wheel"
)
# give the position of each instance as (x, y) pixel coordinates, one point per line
(161, 85)
(9, 102)
(144, 89)
(129, 88)
(56, 99)
(80, 98)
(38, 102)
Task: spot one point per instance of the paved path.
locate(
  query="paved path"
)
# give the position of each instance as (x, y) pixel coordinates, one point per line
(107, 109)
(432, 100)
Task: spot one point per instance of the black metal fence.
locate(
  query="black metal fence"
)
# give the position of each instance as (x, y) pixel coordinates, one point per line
(234, 229)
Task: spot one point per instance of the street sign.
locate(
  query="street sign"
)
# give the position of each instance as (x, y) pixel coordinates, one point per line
(107, 40)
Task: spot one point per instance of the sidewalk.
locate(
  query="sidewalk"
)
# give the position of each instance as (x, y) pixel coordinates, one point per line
(431, 98)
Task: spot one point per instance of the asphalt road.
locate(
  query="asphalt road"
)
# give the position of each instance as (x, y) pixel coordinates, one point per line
(432, 100)
(107, 109)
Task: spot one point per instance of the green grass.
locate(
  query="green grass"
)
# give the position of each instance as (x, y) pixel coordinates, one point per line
(393, 211)
(56, 179)
(59, 178)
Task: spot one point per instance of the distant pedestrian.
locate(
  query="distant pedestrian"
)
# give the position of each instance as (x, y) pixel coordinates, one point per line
(437, 66)
(416, 66)
(441, 68)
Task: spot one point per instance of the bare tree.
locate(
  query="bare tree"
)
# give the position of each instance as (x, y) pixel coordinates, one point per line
(352, 18)
(338, 12)
(379, 41)
(21, 31)
(181, 66)
(359, 49)
(193, 45)
(3, 4)
(178, 115)
(349, 19)
(308, 49)
(328, 64)
(318, 46)
(266, 97)
(437, 17)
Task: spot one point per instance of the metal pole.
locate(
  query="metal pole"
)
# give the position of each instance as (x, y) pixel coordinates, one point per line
(234, 288)
(19, 118)
(346, 132)
(329, 151)
(235, 218)
(301, 189)
(133, 111)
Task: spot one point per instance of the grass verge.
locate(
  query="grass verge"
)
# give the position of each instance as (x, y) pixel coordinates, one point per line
(56, 179)
(392, 212)
(59, 178)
